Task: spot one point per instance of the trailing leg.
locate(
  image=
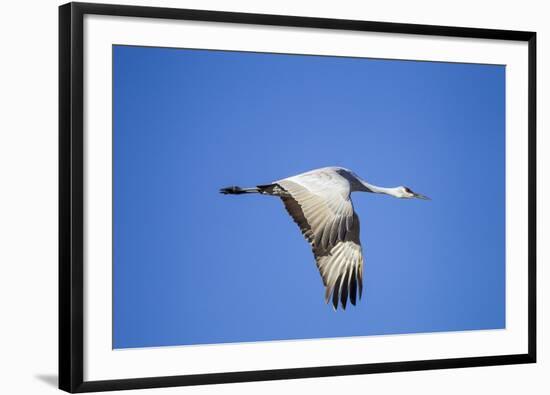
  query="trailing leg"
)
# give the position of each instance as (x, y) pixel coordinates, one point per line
(235, 190)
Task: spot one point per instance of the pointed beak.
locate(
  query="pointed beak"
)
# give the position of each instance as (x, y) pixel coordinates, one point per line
(420, 196)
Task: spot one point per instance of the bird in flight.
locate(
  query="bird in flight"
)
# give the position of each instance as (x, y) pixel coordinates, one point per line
(320, 203)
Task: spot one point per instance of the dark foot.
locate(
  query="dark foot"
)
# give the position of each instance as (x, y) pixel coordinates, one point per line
(232, 190)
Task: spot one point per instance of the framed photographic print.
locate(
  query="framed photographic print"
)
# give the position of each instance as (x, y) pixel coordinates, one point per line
(259, 197)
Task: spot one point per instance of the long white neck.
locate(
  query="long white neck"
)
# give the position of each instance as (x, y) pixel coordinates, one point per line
(395, 192)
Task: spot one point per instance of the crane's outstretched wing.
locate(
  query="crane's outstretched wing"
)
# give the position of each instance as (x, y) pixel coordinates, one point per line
(321, 206)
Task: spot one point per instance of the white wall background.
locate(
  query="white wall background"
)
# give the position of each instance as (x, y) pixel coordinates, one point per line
(28, 195)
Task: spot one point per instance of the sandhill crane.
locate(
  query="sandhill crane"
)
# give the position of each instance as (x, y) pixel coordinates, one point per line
(319, 202)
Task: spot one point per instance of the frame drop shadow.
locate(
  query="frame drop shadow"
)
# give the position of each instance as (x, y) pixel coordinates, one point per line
(50, 379)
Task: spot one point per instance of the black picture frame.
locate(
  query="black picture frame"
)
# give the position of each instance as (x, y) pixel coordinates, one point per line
(71, 181)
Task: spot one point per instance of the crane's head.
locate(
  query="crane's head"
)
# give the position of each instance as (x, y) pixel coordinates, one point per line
(407, 193)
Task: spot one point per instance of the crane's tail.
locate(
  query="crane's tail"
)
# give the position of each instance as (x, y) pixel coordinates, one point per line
(234, 190)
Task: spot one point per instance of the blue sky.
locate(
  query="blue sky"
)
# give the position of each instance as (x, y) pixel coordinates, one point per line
(192, 266)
